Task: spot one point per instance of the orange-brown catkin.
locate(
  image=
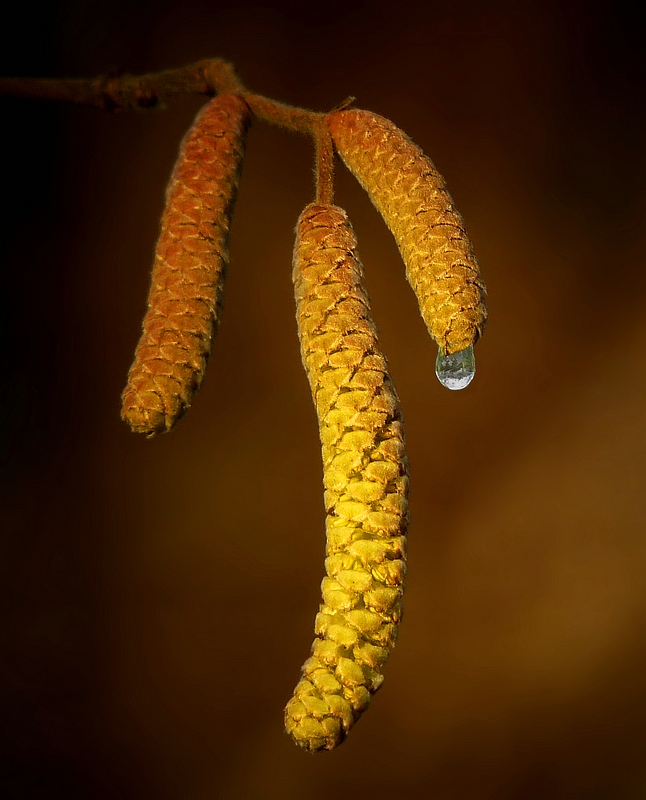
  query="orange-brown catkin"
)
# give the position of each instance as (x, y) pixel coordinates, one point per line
(189, 269)
(412, 197)
(366, 483)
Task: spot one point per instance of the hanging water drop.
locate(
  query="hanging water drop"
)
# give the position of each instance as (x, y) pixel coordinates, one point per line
(455, 371)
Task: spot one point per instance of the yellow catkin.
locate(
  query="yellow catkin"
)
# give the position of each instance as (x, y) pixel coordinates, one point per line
(366, 483)
(412, 197)
(188, 274)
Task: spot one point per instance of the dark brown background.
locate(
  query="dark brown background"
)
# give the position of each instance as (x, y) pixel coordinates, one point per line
(158, 596)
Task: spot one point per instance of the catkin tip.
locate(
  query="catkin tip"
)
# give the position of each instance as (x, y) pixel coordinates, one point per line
(144, 415)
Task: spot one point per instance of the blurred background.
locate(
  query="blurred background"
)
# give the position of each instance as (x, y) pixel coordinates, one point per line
(158, 597)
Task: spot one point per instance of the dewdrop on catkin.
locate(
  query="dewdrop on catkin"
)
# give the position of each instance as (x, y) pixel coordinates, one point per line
(412, 197)
(456, 370)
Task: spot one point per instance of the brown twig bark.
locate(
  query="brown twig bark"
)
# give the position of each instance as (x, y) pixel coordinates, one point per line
(124, 92)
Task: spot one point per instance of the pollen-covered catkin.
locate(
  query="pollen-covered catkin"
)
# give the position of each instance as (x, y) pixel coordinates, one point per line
(412, 197)
(188, 273)
(366, 483)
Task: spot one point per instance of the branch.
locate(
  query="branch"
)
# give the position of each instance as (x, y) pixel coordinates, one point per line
(128, 92)
(124, 92)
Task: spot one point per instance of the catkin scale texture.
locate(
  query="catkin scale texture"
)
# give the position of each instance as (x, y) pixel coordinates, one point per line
(189, 269)
(412, 197)
(366, 483)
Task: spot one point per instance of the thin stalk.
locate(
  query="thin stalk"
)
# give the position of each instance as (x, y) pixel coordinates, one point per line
(324, 165)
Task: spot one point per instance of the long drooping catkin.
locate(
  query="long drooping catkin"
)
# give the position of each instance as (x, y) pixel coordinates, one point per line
(412, 197)
(189, 269)
(366, 483)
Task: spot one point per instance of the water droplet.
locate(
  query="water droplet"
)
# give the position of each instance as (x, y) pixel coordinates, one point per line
(456, 371)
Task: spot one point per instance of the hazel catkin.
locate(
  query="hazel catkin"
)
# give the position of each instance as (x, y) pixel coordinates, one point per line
(188, 273)
(366, 483)
(412, 197)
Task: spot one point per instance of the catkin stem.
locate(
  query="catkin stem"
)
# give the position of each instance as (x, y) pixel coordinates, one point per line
(324, 166)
